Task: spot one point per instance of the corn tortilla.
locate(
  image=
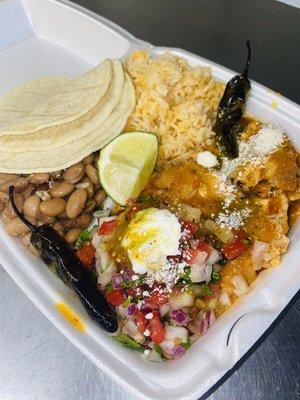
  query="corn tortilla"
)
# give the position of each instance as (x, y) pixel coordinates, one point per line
(75, 100)
(30, 95)
(59, 135)
(63, 157)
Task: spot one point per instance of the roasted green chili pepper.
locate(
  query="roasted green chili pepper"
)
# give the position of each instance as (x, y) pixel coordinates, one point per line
(61, 259)
(231, 109)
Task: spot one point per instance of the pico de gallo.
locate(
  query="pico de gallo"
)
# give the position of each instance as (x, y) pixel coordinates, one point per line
(160, 268)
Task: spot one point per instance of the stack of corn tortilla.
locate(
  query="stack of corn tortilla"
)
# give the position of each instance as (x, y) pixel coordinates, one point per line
(51, 123)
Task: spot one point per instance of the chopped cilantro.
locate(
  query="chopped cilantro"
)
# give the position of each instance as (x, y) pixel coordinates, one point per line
(127, 301)
(246, 241)
(222, 262)
(127, 341)
(206, 291)
(158, 349)
(109, 287)
(84, 237)
(215, 277)
(187, 344)
(186, 277)
(132, 284)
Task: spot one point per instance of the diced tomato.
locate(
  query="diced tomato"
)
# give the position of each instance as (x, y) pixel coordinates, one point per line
(240, 234)
(190, 226)
(192, 255)
(141, 321)
(107, 227)
(234, 249)
(116, 297)
(158, 297)
(157, 330)
(86, 254)
(202, 246)
(214, 287)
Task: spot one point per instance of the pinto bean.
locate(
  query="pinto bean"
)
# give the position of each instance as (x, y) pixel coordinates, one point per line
(6, 215)
(31, 206)
(74, 173)
(90, 187)
(84, 220)
(92, 173)
(27, 192)
(90, 206)
(56, 175)
(62, 189)
(3, 197)
(20, 184)
(16, 227)
(76, 203)
(80, 222)
(89, 159)
(53, 207)
(72, 235)
(7, 177)
(26, 241)
(2, 205)
(45, 219)
(8, 212)
(39, 178)
(100, 197)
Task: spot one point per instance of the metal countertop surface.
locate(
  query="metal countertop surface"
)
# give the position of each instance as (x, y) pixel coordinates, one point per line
(36, 361)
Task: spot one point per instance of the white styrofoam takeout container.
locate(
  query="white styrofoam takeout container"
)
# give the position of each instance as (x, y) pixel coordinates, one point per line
(48, 37)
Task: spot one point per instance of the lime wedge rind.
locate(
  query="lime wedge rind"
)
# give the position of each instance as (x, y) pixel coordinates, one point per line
(123, 168)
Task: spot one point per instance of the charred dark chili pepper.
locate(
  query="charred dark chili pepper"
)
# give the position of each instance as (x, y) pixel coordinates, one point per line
(231, 109)
(61, 259)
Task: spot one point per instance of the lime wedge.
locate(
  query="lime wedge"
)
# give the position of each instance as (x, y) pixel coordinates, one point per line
(126, 163)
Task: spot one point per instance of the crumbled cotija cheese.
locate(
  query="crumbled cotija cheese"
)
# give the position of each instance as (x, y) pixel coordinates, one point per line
(207, 159)
(256, 149)
(168, 274)
(253, 151)
(233, 219)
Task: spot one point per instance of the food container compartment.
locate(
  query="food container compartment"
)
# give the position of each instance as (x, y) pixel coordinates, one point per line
(44, 41)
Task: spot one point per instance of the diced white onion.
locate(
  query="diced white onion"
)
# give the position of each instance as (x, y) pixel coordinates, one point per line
(178, 334)
(164, 309)
(130, 328)
(180, 300)
(108, 204)
(241, 287)
(197, 273)
(224, 298)
(106, 276)
(207, 273)
(154, 356)
(213, 257)
(259, 248)
(121, 311)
